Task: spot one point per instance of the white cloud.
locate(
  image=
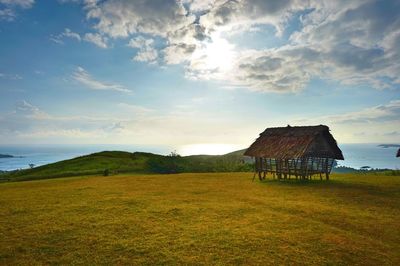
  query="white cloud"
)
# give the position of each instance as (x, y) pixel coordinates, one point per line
(10, 76)
(84, 78)
(121, 18)
(8, 8)
(200, 5)
(277, 70)
(132, 123)
(7, 14)
(382, 113)
(149, 55)
(147, 52)
(69, 134)
(178, 53)
(136, 109)
(67, 33)
(56, 40)
(97, 39)
(73, 35)
(19, 3)
(94, 38)
(29, 111)
(30, 123)
(225, 15)
(353, 42)
(372, 124)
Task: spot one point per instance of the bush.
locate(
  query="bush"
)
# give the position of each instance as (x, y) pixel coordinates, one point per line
(165, 164)
(106, 172)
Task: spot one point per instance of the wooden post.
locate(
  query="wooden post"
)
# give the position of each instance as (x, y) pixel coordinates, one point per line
(259, 175)
(304, 162)
(295, 168)
(255, 168)
(326, 169)
(283, 169)
(318, 166)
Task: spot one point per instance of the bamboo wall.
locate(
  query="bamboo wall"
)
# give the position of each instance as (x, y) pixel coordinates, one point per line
(300, 167)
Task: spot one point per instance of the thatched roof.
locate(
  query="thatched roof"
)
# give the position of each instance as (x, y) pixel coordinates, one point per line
(398, 153)
(295, 142)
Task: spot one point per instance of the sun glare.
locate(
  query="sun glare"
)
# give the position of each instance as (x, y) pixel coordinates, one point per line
(217, 54)
(207, 148)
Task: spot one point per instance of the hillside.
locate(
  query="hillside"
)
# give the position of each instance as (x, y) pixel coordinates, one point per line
(201, 219)
(6, 156)
(138, 162)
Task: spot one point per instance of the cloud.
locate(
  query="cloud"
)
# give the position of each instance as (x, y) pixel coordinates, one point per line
(178, 53)
(7, 14)
(97, 39)
(73, 35)
(356, 43)
(147, 52)
(225, 15)
(136, 109)
(372, 124)
(94, 38)
(200, 5)
(10, 76)
(67, 33)
(18, 3)
(20, 119)
(8, 8)
(121, 18)
(130, 123)
(167, 19)
(392, 133)
(382, 113)
(27, 122)
(84, 78)
(26, 109)
(352, 42)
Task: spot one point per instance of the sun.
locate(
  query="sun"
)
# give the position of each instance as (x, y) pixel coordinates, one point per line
(216, 54)
(219, 54)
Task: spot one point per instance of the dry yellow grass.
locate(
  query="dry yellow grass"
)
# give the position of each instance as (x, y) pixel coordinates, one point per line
(201, 219)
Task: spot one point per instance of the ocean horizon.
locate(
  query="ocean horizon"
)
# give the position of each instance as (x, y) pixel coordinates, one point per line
(356, 155)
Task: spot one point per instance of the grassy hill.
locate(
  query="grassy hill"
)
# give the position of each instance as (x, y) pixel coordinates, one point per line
(138, 162)
(200, 219)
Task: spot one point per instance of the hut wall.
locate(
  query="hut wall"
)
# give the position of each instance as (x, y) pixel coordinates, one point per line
(299, 167)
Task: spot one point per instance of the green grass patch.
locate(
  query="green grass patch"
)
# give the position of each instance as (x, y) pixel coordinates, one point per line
(115, 162)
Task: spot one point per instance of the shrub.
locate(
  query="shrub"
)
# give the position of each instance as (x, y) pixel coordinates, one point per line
(106, 172)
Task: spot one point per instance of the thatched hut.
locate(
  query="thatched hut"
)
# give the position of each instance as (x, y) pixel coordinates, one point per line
(298, 151)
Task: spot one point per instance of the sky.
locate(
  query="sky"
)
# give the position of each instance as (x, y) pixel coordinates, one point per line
(197, 76)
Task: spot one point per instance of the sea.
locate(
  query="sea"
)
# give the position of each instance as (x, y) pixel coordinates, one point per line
(38, 155)
(356, 155)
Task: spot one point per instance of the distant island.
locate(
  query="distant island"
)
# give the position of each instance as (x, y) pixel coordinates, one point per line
(6, 156)
(389, 145)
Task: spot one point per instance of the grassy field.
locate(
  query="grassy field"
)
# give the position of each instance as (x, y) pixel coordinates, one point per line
(211, 218)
